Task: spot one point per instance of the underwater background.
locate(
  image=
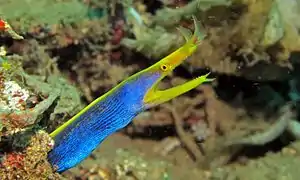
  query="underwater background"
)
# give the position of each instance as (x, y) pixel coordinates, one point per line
(57, 56)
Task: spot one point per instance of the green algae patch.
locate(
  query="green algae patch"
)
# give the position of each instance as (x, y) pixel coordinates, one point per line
(32, 13)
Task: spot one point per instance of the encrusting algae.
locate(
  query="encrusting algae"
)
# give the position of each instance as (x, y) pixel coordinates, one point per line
(29, 163)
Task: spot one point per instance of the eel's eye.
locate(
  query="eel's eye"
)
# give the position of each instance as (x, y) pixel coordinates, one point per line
(164, 67)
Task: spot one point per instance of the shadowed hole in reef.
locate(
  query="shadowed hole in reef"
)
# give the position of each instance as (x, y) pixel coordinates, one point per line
(153, 6)
(228, 89)
(295, 57)
(255, 96)
(67, 56)
(8, 41)
(152, 132)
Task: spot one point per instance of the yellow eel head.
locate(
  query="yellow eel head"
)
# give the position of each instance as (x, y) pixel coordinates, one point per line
(164, 67)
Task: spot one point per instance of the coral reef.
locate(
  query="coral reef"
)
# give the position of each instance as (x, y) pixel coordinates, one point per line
(273, 166)
(55, 88)
(236, 45)
(30, 162)
(25, 106)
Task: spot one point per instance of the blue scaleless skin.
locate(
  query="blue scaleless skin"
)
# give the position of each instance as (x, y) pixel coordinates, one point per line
(78, 137)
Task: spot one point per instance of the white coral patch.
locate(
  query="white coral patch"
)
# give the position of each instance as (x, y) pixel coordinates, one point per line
(14, 95)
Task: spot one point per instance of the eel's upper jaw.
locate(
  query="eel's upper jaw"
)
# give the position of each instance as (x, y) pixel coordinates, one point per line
(155, 96)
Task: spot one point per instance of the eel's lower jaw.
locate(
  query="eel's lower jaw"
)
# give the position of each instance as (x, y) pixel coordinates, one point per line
(155, 97)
